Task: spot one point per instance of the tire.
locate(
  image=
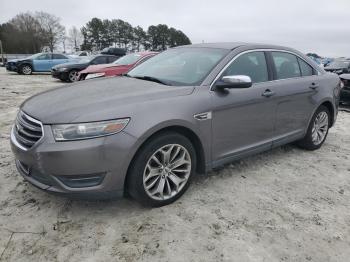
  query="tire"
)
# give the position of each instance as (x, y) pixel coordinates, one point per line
(26, 69)
(73, 75)
(312, 140)
(154, 181)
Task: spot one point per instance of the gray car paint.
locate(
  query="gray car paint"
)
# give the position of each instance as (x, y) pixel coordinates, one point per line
(242, 121)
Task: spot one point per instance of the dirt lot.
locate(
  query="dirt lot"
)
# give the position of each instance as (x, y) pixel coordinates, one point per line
(283, 205)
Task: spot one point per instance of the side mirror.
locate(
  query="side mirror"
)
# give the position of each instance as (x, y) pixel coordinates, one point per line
(235, 81)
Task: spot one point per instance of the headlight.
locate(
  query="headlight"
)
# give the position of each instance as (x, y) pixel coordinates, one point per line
(88, 130)
(95, 75)
(62, 69)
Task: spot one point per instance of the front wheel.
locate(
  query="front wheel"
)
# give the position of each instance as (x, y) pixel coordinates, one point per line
(26, 70)
(162, 170)
(73, 75)
(317, 130)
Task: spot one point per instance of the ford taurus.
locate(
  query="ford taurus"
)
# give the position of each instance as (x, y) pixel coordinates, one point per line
(183, 112)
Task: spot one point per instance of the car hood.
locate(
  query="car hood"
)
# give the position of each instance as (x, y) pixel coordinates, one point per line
(19, 60)
(104, 68)
(98, 99)
(71, 65)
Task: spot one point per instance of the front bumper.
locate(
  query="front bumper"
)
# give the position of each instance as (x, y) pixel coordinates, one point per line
(62, 75)
(65, 167)
(11, 67)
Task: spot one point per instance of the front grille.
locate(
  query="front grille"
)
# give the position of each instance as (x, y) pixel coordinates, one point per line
(27, 130)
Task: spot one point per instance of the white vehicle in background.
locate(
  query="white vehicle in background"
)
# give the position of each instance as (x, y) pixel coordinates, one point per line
(80, 53)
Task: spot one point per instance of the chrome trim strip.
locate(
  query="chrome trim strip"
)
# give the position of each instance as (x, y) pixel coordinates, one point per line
(13, 137)
(261, 50)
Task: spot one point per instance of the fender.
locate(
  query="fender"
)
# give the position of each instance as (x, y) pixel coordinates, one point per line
(318, 105)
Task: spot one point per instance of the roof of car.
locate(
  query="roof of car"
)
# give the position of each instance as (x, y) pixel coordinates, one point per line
(144, 53)
(233, 45)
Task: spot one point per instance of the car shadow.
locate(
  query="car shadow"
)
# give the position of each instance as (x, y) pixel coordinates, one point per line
(236, 170)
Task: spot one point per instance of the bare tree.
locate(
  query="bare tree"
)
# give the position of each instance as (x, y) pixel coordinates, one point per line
(75, 37)
(51, 28)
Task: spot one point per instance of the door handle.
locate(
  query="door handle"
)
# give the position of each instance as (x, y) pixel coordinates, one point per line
(268, 93)
(314, 86)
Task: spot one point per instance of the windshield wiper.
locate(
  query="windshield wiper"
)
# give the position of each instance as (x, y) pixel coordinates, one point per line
(151, 78)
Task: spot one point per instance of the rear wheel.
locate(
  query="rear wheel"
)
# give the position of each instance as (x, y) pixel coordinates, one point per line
(26, 70)
(162, 170)
(317, 130)
(73, 75)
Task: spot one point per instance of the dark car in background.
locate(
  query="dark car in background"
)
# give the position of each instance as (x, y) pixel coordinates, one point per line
(41, 62)
(345, 91)
(339, 67)
(185, 111)
(69, 71)
(113, 51)
(118, 67)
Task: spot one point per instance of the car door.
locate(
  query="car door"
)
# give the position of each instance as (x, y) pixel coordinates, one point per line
(59, 59)
(243, 119)
(42, 63)
(296, 84)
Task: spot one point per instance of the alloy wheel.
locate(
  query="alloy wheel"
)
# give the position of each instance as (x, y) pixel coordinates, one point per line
(320, 128)
(27, 70)
(73, 76)
(167, 172)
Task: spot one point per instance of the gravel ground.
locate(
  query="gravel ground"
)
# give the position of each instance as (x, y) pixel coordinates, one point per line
(283, 205)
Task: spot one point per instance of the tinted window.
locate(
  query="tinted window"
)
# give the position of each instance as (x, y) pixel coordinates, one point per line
(286, 65)
(58, 56)
(44, 57)
(251, 64)
(112, 59)
(306, 69)
(99, 60)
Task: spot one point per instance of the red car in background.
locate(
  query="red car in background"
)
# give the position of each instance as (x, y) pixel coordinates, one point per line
(118, 67)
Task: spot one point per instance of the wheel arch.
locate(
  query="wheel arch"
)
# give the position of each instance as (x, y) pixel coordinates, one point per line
(330, 106)
(331, 109)
(24, 64)
(182, 130)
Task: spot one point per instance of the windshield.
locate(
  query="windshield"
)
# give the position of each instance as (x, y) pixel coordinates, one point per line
(339, 64)
(85, 59)
(128, 59)
(180, 66)
(34, 56)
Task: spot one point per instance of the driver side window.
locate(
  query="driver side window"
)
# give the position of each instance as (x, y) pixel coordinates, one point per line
(251, 64)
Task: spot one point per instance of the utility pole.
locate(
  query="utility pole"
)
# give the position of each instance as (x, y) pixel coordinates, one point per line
(2, 53)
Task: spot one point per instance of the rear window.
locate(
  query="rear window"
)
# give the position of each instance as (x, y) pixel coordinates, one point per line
(305, 68)
(286, 65)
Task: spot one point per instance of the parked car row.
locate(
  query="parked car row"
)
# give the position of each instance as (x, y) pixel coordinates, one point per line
(339, 67)
(111, 62)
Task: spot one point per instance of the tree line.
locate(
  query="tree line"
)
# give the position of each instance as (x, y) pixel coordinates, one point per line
(36, 32)
(98, 34)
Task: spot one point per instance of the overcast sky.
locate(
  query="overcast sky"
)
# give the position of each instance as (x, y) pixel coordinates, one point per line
(321, 26)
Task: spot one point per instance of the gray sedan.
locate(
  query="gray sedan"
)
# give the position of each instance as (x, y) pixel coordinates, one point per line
(183, 112)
